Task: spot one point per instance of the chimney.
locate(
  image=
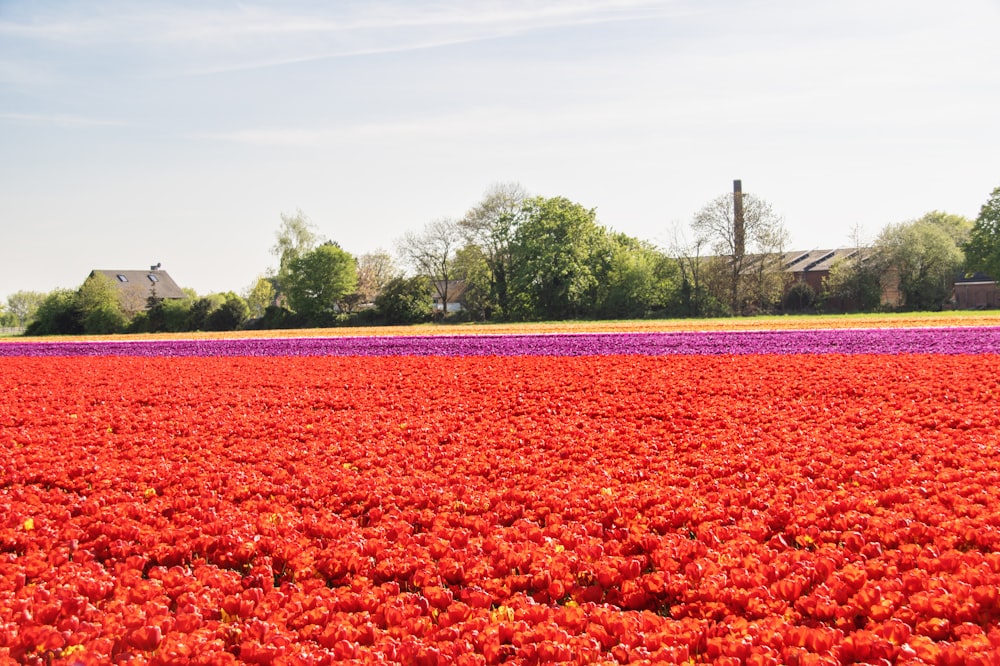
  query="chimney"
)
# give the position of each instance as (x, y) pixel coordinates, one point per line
(739, 233)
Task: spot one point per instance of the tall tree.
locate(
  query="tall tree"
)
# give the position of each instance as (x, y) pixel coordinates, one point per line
(694, 297)
(155, 315)
(479, 298)
(375, 270)
(925, 255)
(318, 279)
(634, 278)
(296, 236)
(982, 249)
(431, 253)
(554, 270)
(749, 265)
(491, 225)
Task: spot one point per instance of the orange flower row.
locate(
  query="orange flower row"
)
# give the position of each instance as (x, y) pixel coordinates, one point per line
(769, 323)
(604, 509)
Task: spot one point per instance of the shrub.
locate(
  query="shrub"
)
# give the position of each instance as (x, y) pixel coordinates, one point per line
(405, 301)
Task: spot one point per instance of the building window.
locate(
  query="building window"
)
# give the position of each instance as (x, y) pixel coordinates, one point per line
(122, 278)
(153, 278)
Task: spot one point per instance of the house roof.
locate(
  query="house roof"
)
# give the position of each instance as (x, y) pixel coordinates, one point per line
(815, 260)
(974, 278)
(456, 290)
(148, 282)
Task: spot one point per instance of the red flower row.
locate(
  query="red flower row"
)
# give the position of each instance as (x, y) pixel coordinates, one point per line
(755, 509)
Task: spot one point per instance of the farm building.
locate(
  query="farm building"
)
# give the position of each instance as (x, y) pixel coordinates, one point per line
(135, 287)
(975, 291)
(813, 267)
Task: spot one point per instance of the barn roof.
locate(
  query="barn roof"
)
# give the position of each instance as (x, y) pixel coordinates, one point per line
(815, 260)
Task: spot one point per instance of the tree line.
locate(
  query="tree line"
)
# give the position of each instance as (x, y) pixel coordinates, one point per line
(516, 257)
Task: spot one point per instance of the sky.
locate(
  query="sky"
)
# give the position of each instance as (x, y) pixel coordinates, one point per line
(172, 132)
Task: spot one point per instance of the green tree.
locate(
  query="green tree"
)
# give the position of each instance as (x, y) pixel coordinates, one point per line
(168, 315)
(230, 315)
(317, 280)
(553, 269)
(634, 278)
(99, 306)
(405, 300)
(154, 319)
(198, 313)
(479, 298)
(925, 254)
(57, 314)
(296, 237)
(982, 249)
(853, 283)
(22, 305)
(491, 226)
(260, 295)
(176, 314)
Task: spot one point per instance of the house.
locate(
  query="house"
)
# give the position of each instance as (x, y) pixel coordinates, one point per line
(455, 290)
(135, 287)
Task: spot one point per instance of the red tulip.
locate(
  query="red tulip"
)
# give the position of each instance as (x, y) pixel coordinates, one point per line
(146, 638)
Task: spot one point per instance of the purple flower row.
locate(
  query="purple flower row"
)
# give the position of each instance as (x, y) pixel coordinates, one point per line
(966, 340)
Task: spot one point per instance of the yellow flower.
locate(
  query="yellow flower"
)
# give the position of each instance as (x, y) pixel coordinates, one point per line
(502, 614)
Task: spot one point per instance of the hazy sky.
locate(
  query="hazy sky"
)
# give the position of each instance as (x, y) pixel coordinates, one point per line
(133, 133)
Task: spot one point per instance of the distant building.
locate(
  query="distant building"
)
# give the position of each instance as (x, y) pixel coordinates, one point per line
(456, 295)
(813, 268)
(972, 291)
(975, 291)
(135, 287)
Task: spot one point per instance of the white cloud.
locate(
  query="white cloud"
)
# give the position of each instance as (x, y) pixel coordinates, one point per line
(206, 39)
(61, 120)
(480, 18)
(60, 30)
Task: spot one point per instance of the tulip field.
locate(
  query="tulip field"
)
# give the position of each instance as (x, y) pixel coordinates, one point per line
(726, 497)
